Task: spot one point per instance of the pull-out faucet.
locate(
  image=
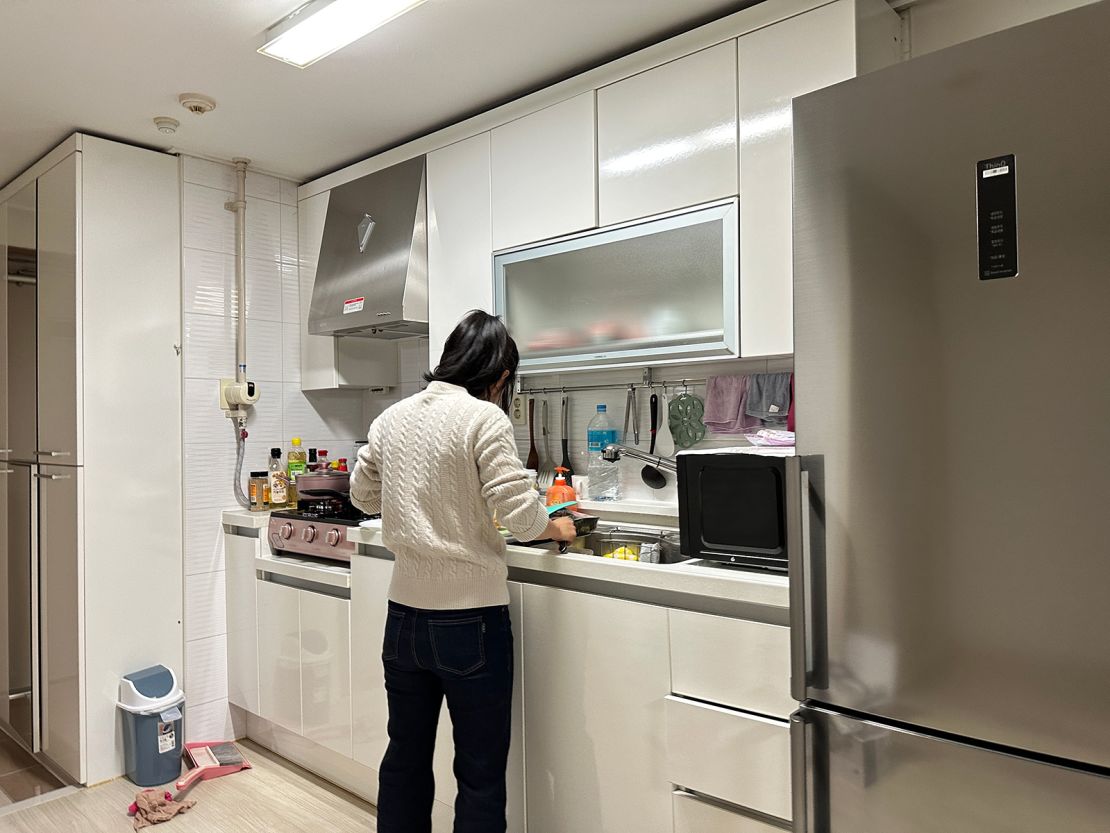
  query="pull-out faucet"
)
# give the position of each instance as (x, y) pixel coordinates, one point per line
(614, 452)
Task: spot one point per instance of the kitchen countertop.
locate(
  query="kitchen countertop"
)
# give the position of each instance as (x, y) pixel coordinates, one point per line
(693, 580)
(245, 519)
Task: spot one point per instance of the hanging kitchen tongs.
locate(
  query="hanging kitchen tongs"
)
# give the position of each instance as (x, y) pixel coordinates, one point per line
(631, 412)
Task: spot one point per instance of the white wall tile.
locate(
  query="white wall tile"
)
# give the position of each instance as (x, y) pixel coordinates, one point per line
(264, 350)
(206, 669)
(291, 352)
(289, 234)
(204, 541)
(211, 721)
(207, 224)
(263, 229)
(209, 346)
(264, 290)
(263, 186)
(290, 294)
(212, 174)
(413, 357)
(288, 192)
(209, 282)
(205, 423)
(204, 606)
(208, 475)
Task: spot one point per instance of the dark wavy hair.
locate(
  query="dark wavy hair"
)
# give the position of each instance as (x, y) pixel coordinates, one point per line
(477, 353)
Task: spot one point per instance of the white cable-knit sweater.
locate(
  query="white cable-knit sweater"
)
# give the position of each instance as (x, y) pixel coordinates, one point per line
(438, 467)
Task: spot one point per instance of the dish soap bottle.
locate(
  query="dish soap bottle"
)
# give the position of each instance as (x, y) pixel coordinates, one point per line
(279, 481)
(298, 465)
(561, 492)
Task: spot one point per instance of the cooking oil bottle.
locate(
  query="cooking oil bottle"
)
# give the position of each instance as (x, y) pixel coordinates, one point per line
(298, 465)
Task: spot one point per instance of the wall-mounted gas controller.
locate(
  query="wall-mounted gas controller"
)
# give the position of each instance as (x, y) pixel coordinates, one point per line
(236, 397)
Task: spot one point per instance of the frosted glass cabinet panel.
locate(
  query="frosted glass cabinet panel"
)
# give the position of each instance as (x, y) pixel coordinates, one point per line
(664, 288)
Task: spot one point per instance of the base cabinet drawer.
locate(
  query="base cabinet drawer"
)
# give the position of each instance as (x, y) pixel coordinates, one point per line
(695, 815)
(740, 758)
(733, 662)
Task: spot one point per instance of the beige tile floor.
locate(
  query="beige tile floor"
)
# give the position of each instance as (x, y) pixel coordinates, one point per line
(273, 797)
(21, 777)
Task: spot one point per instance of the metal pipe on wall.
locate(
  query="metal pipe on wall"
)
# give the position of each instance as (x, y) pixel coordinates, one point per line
(239, 206)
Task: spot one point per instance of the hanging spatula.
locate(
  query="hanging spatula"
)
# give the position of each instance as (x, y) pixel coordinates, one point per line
(533, 461)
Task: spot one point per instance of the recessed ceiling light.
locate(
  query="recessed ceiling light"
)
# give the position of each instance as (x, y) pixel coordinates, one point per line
(320, 27)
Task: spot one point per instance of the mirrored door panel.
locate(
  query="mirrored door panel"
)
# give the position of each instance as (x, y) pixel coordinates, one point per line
(18, 607)
(18, 310)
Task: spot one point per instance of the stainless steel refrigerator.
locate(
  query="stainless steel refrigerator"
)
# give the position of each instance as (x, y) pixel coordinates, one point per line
(951, 567)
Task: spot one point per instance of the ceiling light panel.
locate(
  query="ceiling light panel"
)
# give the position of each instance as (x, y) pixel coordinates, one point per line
(320, 27)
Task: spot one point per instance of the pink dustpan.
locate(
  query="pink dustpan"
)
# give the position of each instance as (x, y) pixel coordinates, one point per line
(211, 759)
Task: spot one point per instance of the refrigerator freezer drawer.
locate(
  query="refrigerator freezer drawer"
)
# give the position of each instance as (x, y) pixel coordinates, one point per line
(740, 758)
(693, 815)
(865, 777)
(733, 662)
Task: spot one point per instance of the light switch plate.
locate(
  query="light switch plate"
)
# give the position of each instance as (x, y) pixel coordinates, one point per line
(519, 410)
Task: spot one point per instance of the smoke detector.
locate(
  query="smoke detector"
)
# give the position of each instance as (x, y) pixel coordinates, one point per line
(165, 124)
(197, 103)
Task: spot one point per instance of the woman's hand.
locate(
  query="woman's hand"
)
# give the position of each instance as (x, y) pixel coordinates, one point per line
(561, 529)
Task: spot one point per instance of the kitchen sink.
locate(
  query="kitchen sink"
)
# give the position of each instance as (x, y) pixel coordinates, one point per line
(606, 541)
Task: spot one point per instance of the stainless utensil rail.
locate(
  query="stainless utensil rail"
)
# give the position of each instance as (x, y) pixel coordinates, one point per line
(669, 383)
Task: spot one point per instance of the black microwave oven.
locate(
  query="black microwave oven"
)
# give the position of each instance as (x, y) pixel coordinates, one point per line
(732, 508)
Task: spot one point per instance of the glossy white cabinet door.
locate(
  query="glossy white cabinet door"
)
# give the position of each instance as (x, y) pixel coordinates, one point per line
(596, 676)
(62, 613)
(666, 138)
(791, 58)
(460, 263)
(59, 325)
(326, 670)
(545, 173)
(242, 634)
(369, 712)
(329, 363)
(279, 654)
(695, 815)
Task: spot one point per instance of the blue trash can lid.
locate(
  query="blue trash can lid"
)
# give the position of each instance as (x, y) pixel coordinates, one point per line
(150, 690)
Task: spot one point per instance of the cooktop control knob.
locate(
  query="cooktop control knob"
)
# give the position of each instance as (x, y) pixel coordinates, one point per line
(286, 531)
(309, 534)
(333, 537)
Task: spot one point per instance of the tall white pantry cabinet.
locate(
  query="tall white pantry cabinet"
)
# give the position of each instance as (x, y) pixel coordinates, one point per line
(108, 220)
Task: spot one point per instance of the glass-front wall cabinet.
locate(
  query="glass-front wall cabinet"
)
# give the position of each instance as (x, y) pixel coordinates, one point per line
(653, 290)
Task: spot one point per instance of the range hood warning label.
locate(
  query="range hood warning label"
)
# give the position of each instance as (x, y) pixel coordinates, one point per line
(353, 305)
(996, 198)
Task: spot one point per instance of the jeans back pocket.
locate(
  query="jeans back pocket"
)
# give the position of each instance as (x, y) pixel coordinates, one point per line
(459, 645)
(391, 646)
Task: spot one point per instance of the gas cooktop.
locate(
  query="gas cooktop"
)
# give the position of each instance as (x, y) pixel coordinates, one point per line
(315, 528)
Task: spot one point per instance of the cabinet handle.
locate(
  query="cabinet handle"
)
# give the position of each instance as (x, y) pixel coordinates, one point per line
(54, 476)
(5, 451)
(7, 471)
(54, 453)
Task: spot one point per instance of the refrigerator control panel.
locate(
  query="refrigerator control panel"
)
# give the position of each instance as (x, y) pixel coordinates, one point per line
(996, 191)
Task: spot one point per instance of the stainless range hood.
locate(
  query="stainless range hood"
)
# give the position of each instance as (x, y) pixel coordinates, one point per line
(372, 276)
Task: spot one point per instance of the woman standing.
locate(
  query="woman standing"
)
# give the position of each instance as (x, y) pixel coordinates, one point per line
(438, 467)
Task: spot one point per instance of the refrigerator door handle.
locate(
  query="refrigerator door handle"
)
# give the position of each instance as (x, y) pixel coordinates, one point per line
(801, 784)
(797, 510)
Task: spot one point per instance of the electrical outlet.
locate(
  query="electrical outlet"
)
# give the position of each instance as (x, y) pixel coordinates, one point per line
(519, 410)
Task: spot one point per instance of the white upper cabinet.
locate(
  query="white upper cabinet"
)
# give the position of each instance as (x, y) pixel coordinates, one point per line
(797, 56)
(545, 173)
(667, 137)
(328, 363)
(460, 270)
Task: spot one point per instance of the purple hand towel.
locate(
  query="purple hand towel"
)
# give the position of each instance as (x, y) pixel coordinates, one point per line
(725, 405)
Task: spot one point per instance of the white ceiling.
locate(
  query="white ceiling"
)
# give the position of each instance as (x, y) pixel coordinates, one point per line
(110, 66)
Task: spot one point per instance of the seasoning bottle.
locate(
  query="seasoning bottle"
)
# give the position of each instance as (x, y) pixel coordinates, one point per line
(313, 461)
(279, 480)
(298, 465)
(259, 490)
(322, 459)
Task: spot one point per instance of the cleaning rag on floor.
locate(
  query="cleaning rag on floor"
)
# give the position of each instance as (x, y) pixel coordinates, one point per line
(725, 398)
(154, 807)
(768, 398)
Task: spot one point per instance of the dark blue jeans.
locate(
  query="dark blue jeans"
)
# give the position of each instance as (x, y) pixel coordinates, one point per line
(467, 657)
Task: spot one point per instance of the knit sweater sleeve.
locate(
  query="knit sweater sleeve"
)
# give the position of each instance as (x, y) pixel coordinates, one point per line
(366, 479)
(506, 487)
